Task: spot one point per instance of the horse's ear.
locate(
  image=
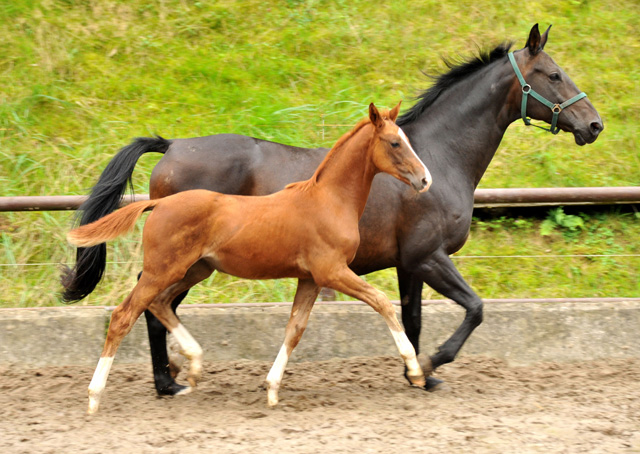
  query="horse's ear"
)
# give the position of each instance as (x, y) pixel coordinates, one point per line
(533, 43)
(544, 37)
(393, 113)
(375, 117)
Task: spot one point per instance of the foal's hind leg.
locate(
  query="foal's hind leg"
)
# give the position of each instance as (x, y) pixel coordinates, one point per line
(306, 295)
(188, 346)
(122, 320)
(165, 367)
(346, 281)
(163, 310)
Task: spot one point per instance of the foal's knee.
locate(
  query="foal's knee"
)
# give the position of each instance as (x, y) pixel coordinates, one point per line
(382, 305)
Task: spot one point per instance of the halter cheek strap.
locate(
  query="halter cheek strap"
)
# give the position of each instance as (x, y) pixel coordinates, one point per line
(527, 90)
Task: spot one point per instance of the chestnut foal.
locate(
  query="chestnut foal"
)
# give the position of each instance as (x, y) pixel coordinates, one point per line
(309, 231)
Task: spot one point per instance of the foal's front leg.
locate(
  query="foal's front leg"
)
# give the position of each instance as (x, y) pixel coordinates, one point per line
(346, 281)
(306, 295)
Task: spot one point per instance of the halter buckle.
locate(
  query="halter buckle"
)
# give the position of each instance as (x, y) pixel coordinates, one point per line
(557, 108)
(526, 89)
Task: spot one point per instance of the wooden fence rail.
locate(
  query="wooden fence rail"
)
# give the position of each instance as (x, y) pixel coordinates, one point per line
(483, 198)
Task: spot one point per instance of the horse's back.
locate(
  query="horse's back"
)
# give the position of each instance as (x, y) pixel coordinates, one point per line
(231, 164)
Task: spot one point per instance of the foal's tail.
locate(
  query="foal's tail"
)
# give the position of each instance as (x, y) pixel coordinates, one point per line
(110, 226)
(105, 198)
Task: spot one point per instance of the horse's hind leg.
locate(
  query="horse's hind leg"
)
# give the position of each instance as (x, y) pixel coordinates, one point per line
(165, 367)
(162, 309)
(346, 281)
(188, 346)
(410, 288)
(306, 295)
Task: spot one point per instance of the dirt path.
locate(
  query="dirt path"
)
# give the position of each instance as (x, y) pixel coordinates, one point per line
(356, 405)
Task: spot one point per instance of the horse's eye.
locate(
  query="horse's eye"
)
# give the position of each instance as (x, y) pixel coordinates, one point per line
(554, 77)
(395, 144)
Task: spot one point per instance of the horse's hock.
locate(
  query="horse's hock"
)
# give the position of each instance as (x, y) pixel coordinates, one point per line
(519, 332)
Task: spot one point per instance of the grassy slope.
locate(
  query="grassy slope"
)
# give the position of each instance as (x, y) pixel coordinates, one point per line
(79, 79)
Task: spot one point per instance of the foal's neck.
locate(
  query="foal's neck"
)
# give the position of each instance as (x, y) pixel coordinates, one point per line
(348, 170)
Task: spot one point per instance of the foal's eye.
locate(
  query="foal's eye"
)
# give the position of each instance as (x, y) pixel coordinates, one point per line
(395, 144)
(554, 77)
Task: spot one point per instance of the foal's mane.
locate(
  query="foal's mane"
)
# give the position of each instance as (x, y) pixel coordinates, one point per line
(457, 72)
(303, 185)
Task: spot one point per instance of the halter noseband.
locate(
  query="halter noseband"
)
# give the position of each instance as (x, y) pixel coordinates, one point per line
(527, 90)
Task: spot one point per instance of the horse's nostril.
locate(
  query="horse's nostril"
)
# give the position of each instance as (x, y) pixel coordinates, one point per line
(596, 127)
(425, 181)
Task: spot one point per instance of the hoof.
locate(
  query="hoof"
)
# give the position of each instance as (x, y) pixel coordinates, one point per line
(195, 372)
(94, 403)
(272, 397)
(417, 380)
(425, 363)
(93, 408)
(176, 359)
(174, 389)
(184, 390)
(435, 384)
(174, 369)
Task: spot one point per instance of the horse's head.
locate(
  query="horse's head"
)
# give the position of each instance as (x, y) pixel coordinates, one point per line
(392, 152)
(545, 92)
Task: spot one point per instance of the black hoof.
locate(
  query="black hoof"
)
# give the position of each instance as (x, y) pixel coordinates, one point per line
(171, 389)
(434, 384)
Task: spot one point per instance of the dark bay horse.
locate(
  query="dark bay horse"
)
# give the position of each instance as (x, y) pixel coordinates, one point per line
(308, 231)
(455, 128)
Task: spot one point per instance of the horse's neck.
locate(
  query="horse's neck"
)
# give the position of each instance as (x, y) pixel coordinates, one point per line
(465, 125)
(347, 171)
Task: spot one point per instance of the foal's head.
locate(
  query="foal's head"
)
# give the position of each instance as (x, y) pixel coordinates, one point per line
(392, 153)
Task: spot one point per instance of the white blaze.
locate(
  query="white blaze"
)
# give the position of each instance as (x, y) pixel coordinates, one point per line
(404, 137)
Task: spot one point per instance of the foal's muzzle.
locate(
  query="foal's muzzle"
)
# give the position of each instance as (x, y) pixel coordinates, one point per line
(421, 184)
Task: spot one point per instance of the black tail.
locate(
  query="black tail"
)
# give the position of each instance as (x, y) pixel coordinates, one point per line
(105, 197)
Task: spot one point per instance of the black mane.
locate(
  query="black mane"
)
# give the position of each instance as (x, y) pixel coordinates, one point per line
(457, 72)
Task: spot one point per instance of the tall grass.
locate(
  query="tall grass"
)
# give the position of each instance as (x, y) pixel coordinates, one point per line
(80, 78)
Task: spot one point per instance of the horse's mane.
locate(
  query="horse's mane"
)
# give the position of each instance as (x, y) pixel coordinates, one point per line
(303, 185)
(457, 72)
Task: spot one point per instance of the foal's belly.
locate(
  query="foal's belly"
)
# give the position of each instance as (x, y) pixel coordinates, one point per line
(251, 267)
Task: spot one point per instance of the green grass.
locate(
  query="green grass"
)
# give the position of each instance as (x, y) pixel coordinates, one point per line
(80, 79)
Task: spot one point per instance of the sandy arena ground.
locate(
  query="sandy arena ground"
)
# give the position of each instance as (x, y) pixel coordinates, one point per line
(358, 405)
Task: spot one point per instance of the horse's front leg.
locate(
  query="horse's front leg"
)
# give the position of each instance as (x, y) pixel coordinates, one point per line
(439, 272)
(306, 295)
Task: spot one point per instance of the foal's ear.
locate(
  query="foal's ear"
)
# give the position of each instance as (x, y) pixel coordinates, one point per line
(393, 113)
(375, 117)
(536, 43)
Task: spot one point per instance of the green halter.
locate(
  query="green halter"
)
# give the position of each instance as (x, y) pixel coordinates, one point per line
(527, 90)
